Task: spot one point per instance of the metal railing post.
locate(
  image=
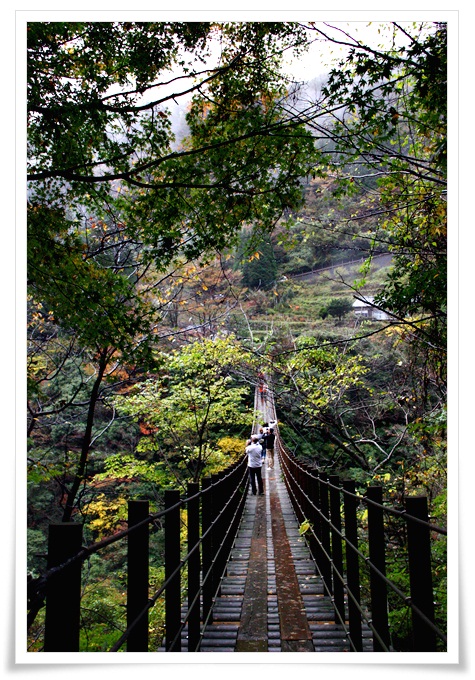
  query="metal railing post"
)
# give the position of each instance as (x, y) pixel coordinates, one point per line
(299, 493)
(352, 565)
(306, 488)
(63, 590)
(207, 546)
(315, 535)
(240, 498)
(420, 574)
(194, 566)
(325, 532)
(172, 562)
(337, 552)
(379, 595)
(215, 532)
(231, 493)
(137, 576)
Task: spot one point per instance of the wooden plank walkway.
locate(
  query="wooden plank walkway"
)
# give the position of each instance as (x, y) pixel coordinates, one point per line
(258, 609)
(272, 598)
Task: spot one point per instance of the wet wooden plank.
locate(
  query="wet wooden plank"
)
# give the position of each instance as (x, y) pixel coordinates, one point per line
(293, 621)
(252, 636)
(270, 628)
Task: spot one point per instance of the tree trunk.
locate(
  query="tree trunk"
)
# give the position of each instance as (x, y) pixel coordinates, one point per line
(86, 443)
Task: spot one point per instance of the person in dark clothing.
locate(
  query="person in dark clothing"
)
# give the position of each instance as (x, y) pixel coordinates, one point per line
(270, 441)
(262, 441)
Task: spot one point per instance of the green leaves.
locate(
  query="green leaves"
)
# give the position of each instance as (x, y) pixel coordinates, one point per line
(399, 100)
(323, 375)
(101, 141)
(185, 409)
(259, 268)
(96, 302)
(304, 527)
(393, 122)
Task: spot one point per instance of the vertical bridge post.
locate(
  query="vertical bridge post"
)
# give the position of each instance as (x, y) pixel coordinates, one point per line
(420, 574)
(172, 572)
(137, 576)
(325, 533)
(377, 556)
(194, 566)
(337, 552)
(207, 546)
(217, 531)
(63, 590)
(316, 535)
(352, 565)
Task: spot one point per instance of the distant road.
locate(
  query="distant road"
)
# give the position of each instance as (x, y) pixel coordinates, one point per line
(378, 262)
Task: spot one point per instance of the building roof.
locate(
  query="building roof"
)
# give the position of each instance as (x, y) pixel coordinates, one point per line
(368, 301)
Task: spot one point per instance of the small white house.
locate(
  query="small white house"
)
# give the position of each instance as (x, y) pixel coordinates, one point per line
(363, 309)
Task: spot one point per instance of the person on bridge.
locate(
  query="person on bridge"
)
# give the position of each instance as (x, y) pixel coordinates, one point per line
(254, 463)
(261, 392)
(270, 441)
(262, 441)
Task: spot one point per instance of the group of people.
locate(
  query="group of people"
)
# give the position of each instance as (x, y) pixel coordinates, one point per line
(259, 447)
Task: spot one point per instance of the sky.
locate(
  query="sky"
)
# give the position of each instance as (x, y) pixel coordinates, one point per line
(324, 54)
(313, 64)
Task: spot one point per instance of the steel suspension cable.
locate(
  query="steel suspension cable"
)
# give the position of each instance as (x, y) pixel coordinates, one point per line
(335, 571)
(402, 596)
(153, 599)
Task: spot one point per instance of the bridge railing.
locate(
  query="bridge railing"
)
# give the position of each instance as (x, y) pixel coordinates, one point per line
(350, 554)
(195, 566)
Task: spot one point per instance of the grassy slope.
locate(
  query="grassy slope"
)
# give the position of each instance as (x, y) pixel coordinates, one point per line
(297, 307)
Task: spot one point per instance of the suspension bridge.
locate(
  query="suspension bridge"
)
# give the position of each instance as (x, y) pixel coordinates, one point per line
(271, 597)
(293, 570)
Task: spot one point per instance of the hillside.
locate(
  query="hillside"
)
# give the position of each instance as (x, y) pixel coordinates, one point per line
(295, 304)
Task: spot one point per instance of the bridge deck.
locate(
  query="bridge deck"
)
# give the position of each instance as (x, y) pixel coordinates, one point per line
(272, 599)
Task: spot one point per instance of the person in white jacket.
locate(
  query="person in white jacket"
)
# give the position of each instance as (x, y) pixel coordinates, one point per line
(254, 463)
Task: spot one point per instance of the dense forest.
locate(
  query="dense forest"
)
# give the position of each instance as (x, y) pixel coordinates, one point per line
(165, 271)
